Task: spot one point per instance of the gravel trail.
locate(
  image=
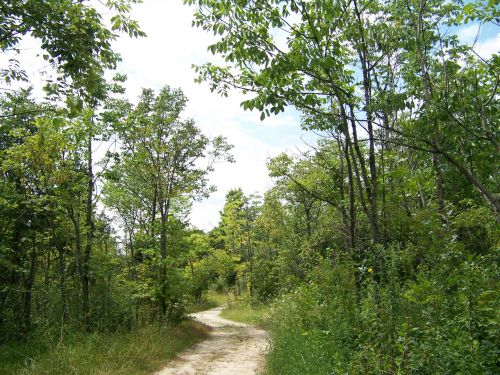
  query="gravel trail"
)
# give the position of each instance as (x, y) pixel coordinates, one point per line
(232, 348)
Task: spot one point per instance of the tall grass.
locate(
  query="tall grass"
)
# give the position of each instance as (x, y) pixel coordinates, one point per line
(242, 310)
(139, 352)
(211, 300)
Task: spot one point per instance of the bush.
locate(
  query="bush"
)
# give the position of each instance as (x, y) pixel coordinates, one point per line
(442, 321)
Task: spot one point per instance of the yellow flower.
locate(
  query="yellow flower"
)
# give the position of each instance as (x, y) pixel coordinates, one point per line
(370, 269)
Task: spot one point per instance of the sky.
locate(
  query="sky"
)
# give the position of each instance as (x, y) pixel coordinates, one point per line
(166, 56)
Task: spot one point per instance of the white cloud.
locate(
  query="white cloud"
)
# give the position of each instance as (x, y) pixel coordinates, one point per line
(484, 43)
(468, 34)
(488, 47)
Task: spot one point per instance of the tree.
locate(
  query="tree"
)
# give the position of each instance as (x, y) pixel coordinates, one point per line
(164, 159)
(342, 62)
(236, 234)
(73, 36)
(52, 231)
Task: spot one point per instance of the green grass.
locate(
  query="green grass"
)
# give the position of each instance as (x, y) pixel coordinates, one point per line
(242, 311)
(213, 299)
(139, 352)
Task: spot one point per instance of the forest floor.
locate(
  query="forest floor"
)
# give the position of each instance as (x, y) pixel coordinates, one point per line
(232, 348)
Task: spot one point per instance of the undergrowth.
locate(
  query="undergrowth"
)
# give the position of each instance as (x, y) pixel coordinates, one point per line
(344, 321)
(138, 352)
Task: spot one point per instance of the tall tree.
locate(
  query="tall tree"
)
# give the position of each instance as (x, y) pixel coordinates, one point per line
(344, 61)
(164, 159)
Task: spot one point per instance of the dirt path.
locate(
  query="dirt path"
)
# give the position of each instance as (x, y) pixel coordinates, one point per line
(232, 348)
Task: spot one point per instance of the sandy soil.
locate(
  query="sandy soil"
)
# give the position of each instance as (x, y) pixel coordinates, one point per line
(232, 348)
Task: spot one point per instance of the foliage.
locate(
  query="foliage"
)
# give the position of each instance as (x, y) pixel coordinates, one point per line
(73, 37)
(163, 164)
(380, 243)
(377, 248)
(385, 66)
(211, 300)
(440, 323)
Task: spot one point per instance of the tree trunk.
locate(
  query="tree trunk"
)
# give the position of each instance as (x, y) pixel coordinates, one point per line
(153, 212)
(439, 186)
(62, 283)
(370, 212)
(164, 212)
(492, 200)
(348, 219)
(28, 288)
(367, 90)
(89, 223)
(343, 210)
(75, 218)
(428, 95)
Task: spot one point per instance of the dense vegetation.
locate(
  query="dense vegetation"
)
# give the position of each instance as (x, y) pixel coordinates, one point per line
(377, 249)
(66, 160)
(380, 244)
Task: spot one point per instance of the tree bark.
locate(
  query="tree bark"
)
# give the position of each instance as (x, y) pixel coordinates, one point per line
(75, 219)
(367, 90)
(89, 223)
(28, 288)
(164, 212)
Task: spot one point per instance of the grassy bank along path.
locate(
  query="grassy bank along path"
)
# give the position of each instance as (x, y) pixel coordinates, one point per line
(232, 348)
(138, 352)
